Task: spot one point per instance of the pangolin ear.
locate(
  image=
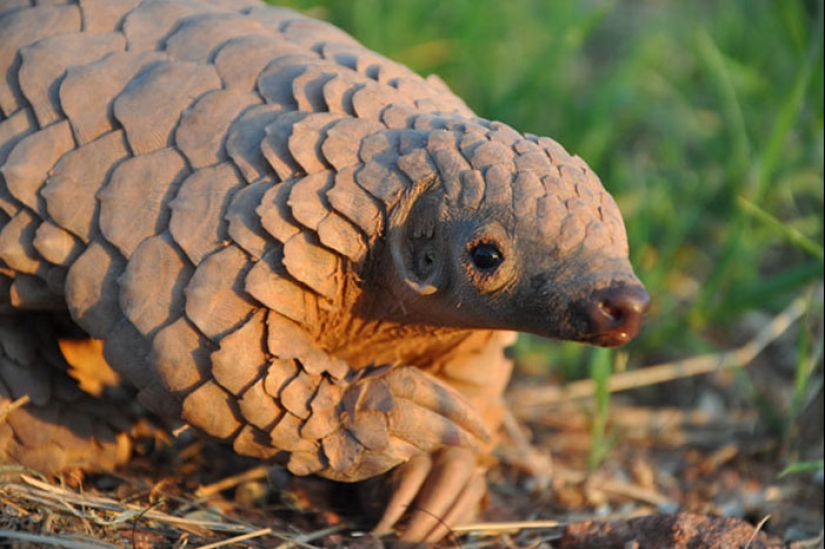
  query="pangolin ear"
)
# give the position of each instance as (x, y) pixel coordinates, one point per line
(418, 244)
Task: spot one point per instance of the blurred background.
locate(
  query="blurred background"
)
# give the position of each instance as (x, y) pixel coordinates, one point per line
(704, 120)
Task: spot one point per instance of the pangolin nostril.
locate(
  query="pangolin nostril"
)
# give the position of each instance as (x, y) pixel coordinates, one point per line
(611, 311)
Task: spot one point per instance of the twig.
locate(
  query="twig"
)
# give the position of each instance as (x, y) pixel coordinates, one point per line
(813, 543)
(230, 482)
(524, 399)
(525, 455)
(635, 492)
(299, 541)
(9, 408)
(507, 526)
(757, 529)
(236, 539)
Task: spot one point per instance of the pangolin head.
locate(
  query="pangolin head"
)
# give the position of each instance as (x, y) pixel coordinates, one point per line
(514, 233)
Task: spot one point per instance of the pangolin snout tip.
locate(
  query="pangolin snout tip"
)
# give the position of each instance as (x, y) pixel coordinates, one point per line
(616, 314)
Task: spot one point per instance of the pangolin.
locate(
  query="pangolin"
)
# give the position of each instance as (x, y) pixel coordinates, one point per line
(282, 239)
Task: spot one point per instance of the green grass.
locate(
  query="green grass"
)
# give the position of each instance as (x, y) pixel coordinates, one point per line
(704, 119)
(600, 370)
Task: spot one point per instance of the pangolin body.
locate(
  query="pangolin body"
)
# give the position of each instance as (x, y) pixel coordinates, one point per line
(280, 237)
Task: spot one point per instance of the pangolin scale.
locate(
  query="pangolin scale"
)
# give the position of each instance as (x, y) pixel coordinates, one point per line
(281, 238)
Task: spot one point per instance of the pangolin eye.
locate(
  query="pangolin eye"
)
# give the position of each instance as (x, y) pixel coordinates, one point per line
(486, 256)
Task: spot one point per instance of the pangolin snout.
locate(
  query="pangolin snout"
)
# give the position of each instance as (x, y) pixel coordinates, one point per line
(615, 314)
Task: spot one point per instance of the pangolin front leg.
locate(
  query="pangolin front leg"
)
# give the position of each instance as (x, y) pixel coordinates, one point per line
(432, 493)
(351, 425)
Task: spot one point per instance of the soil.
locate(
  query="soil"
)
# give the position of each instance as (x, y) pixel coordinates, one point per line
(680, 531)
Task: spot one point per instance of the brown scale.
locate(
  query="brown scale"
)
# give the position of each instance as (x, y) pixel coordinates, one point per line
(24, 177)
(134, 204)
(196, 223)
(216, 303)
(70, 192)
(201, 134)
(198, 38)
(165, 89)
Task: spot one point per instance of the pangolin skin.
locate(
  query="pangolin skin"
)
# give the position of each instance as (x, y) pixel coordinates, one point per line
(281, 238)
